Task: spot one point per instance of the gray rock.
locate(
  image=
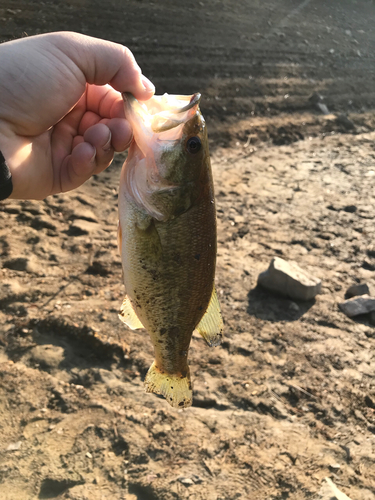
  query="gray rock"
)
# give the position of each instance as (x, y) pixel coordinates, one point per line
(322, 108)
(355, 290)
(358, 305)
(315, 98)
(345, 122)
(289, 279)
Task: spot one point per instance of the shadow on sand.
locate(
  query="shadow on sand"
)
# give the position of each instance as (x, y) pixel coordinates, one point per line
(269, 306)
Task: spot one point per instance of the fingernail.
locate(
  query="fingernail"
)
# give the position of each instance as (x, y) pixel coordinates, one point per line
(129, 143)
(148, 86)
(92, 159)
(107, 146)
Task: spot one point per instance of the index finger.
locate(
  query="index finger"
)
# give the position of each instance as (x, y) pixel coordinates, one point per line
(104, 101)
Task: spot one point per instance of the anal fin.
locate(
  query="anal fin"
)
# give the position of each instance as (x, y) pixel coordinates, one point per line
(129, 316)
(211, 325)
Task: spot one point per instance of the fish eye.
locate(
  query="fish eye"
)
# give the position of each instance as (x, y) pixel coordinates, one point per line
(193, 145)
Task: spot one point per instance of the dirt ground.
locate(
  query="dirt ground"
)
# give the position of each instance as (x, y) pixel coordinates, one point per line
(289, 397)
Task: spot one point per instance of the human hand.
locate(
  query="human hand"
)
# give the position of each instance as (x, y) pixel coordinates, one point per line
(61, 118)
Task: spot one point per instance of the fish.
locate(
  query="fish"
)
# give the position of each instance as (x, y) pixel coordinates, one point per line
(167, 237)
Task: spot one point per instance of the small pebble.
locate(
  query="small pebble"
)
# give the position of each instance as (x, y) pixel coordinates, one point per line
(334, 467)
(14, 446)
(186, 481)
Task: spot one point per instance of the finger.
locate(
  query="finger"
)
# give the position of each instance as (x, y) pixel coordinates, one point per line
(122, 134)
(104, 62)
(93, 152)
(119, 128)
(77, 167)
(89, 157)
(100, 137)
(88, 120)
(77, 140)
(101, 102)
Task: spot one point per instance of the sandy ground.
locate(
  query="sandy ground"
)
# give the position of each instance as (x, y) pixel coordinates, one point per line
(289, 397)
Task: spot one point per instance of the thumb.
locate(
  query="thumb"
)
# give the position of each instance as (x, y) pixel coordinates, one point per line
(103, 62)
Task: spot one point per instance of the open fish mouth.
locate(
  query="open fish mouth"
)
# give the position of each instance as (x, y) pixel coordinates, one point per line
(162, 113)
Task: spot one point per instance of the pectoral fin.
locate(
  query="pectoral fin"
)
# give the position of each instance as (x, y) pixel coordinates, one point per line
(211, 325)
(129, 316)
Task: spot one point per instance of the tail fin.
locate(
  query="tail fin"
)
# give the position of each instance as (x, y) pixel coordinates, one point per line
(177, 390)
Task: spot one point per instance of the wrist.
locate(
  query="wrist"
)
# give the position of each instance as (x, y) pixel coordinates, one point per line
(6, 171)
(6, 184)
(15, 151)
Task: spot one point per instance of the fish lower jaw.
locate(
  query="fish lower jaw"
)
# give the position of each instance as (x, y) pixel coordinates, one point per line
(176, 389)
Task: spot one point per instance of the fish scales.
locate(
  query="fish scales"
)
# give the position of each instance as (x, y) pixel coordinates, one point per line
(176, 281)
(169, 254)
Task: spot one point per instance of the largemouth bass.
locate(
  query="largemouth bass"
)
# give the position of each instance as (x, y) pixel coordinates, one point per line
(167, 237)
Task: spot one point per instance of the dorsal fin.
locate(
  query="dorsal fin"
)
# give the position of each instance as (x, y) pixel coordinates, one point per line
(211, 325)
(129, 316)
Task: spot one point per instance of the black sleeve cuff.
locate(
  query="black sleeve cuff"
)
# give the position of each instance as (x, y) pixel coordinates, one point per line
(6, 186)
